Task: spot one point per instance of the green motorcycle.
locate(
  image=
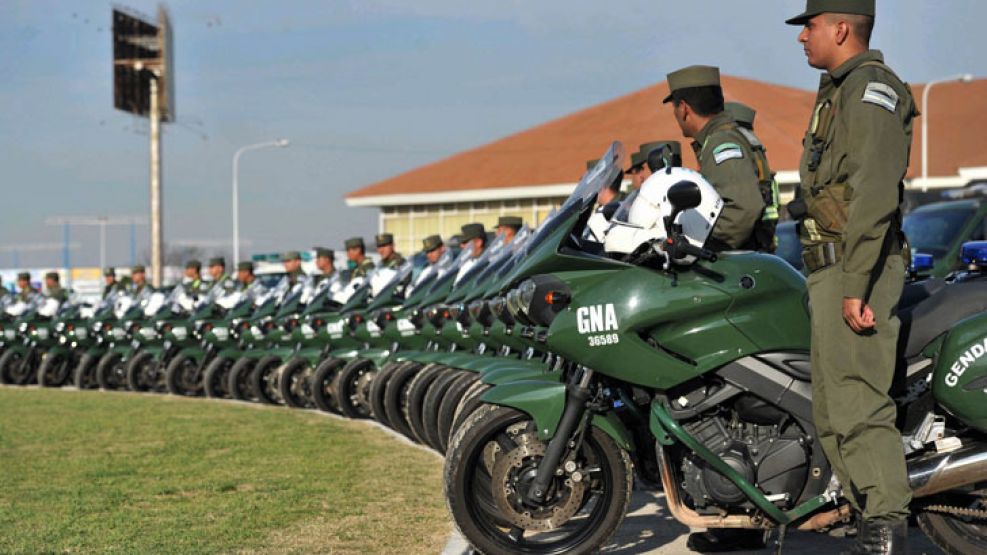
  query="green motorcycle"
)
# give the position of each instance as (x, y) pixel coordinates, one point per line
(697, 361)
(33, 325)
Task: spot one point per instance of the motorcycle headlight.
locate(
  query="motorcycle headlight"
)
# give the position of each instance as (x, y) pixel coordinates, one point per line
(538, 300)
(60, 327)
(97, 327)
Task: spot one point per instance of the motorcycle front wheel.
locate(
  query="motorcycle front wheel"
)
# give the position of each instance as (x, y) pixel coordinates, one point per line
(492, 459)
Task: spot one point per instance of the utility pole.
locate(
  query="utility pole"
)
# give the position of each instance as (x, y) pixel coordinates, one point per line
(157, 267)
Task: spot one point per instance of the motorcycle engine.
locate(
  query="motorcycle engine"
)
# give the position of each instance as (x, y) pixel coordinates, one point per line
(758, 441)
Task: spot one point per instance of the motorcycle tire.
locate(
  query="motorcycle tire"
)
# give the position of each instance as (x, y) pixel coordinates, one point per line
(295, 384)
(216, 380)
(377, 392)
(12, 368)
(471, 481)
(54, 370)
(955, 535)
(263, 380)
(183, 377)
(415, 399)
(394, 395)
(239, 379)
(352, 388)
(322, 393)
(142, 372)
(470, 402)
(84, 376)
(111, 373)
(447, 408)
(430, 406)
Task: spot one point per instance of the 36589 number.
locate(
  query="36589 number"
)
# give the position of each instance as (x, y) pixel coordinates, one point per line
(604, 339)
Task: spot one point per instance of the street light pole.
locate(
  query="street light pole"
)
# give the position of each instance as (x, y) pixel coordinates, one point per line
(280, 143)
(962, 78)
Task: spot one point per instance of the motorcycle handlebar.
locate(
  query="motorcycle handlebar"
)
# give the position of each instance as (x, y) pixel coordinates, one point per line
(681, 247)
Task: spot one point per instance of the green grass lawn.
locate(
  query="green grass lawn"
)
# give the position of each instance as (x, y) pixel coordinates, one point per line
(84, 471)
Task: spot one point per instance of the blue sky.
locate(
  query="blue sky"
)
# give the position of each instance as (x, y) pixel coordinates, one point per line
(364, 90)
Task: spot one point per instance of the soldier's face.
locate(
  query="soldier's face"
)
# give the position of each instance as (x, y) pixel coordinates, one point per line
(191, 273)
(109, 279)
(508, 233)
(435, 254)
(216, 271)
(50, 283)
(476, 245)
(819, 40)
(354, 254)
(23, 284)
(292, 265)
(244, 276)
(138, 278)
(385, 250)
(323, 263)
(683, 117)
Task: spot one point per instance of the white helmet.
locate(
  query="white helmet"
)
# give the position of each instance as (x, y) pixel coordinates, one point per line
(645, 221)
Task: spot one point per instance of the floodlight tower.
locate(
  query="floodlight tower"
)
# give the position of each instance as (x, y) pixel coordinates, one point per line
(144, 85)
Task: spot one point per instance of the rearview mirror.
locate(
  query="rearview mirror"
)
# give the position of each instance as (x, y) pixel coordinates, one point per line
(684, 195)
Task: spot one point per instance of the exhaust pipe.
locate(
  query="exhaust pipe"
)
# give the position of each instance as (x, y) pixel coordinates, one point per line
(938, 472)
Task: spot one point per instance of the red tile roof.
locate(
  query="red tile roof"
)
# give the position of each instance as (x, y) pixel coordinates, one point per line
(555, 152)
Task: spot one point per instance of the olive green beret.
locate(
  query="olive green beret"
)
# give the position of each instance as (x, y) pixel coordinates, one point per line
(384, 239)
(431, 243)
(138, 269)
(217, 261)
(109, 272)
(245, 266)
(590, 164)
(472, 231)
(741, 113)
(52, 275)
(291, 255)
(193, 264)
(816, 7)
(24, 275)
(690, 77)
(510, 221)
(354, 243)
(322, 252)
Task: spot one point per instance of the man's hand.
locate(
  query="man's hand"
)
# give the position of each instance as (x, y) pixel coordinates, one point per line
(857, 315)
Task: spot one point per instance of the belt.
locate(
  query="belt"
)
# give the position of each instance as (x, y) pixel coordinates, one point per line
(817, 257)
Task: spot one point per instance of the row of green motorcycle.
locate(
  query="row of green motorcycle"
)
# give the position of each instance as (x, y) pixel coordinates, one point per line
(558, 366)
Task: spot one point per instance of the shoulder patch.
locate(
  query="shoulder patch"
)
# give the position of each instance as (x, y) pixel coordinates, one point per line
(881, 94)
(750, 136)
(727, 151)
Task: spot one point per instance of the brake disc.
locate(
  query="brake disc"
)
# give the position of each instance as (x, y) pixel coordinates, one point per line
(509, 469)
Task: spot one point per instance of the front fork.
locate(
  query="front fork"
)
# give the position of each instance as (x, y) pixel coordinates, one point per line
(577, 396)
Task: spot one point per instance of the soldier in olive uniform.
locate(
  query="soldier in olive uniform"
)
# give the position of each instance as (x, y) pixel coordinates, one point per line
(325, 263)
(217, 271)
(3, 290)
(54, 289)
(356, 255)
(110, 283)
(192, 280)
(765, 229)
(139, 287)
(389, 258)
(433, 248)
(726, 157)
(247, 282)
(473, 237)
(25, 292)
(856, 154)
(509, 226)
(292, 261)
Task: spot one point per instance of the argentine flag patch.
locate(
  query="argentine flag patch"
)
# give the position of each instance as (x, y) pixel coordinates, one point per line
(882, 95)
(727, 151)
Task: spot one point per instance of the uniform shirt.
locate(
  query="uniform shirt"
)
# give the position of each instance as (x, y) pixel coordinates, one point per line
(320, 277)
(107, 289)
(727, 162)
(58, 293)
(363, 268)
(295, 277)
(863, 161)
(225, 282)
(26, 295)
(392, 261)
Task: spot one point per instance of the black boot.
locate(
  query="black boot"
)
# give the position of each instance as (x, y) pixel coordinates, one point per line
(881, 537)
(717, 540)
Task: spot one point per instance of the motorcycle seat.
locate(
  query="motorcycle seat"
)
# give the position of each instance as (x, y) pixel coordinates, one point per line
(918, 291)
(930, 317)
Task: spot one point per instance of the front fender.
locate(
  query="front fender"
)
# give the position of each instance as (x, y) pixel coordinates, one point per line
(544, 400)
(377, 356)
(345, 354)
(194, 353)
(506, 374)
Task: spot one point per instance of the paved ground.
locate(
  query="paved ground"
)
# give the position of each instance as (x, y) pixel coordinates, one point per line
(650, 528)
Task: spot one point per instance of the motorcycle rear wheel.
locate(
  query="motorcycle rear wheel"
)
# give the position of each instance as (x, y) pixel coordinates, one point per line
(494, 454)
(957, 535)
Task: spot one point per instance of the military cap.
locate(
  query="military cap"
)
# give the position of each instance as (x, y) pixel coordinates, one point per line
(590, 164)
(138, 269)
(472, 231)
(816, 7)
(384, 239)
(52, 275)
(24, 275)
(510, 221)
(291, 255)
(637, 159)
(322, 252)
(245, 266)
(217, 261)
(431, 243)
(354, 243)
(741, 113)
(193, 264)
(109, 272)
(455, 240)
(690, 77)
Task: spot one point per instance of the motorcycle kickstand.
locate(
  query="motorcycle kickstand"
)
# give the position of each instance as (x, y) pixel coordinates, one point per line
(781, 538)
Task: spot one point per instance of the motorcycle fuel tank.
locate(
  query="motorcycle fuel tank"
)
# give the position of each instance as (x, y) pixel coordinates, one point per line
(959, 381)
